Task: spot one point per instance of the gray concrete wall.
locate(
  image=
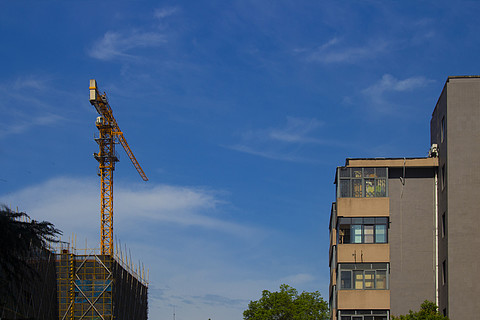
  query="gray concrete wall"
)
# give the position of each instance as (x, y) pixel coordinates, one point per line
(462, 197)
(440, 113)
(411, 238)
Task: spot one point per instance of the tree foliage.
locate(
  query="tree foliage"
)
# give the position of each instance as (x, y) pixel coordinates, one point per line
(287, 304)
(428, 311)
(19, 240)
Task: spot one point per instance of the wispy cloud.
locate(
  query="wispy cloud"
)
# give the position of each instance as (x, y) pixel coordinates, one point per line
(219, 300)
(162, 13)
(297, 279)
(31, 96)
(335, 51)
(30, 82)
(284, 143)
(28, 122)
(390, 83)
(297, 130)
(379, 93)
(116, 45)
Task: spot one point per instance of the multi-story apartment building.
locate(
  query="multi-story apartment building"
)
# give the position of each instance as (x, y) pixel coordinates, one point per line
(402, 230)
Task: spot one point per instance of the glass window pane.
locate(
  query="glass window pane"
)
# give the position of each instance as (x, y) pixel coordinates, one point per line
(381, 188)
(346, 318)
(379, 266)
(356, 172)
(343, 220)
(368, 234)
(381, 220)
(381, 172)
(358, 279)
(381, 233)
(357, 188)
(344, 172)
(344, 188)
(369, 188)
(369, 172)
(346, 280)
(347, 312)
(356, 233)
(369, 279)
(381, 279)
(369, 220)
(344, 234)
(357, 220)
(364, 312)
(381, 312)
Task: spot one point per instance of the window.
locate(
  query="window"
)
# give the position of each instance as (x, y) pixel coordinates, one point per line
(363, 276)
(444, 225)
(362, 182)
(363, 314)
(443, 174)
(442, 130)
(362, 230)
(444, 272)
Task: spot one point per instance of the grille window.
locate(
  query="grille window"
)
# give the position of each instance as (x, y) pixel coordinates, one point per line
(363, 276)
(362, 182)
(362, 230)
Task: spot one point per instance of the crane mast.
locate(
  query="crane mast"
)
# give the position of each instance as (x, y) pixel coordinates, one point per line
(109, 135)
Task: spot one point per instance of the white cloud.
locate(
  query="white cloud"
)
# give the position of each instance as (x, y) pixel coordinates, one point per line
(31, 96)
(269, 154)
(333, 52)
(378, 93)
(390, 83)
(30, 82)
(284, 143)
(297, 130)
(298, 279)
(115, 45)
(27, 123)
(73, 204)
(161, 224)
(162, 13)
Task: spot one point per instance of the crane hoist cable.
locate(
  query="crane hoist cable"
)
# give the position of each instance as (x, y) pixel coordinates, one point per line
(109, 135)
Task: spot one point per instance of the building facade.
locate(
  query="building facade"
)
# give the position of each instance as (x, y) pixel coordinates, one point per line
(401, 230)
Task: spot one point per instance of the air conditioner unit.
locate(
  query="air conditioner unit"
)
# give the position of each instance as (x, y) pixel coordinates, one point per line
(433, 152)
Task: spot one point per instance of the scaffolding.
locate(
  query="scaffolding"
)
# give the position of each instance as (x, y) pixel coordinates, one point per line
(32, 297)
(92, 285)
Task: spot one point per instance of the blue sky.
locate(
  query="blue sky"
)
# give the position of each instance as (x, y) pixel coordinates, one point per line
(238, 111)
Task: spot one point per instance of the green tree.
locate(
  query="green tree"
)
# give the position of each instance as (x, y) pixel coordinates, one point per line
(428, 311)
(287, 304)
(20, 237)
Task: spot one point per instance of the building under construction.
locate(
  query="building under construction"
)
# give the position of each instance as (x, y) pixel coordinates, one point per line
(91, 285)
(102, 284)
(32, 294)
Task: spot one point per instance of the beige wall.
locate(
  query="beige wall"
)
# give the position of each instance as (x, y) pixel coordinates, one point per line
(362, 207)
(364, 299)
(360, 253)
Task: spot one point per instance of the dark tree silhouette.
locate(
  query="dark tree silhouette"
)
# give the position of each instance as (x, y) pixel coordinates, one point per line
(20, 239)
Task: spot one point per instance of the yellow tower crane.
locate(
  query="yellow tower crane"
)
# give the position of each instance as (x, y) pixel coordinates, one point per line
(109, 135)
